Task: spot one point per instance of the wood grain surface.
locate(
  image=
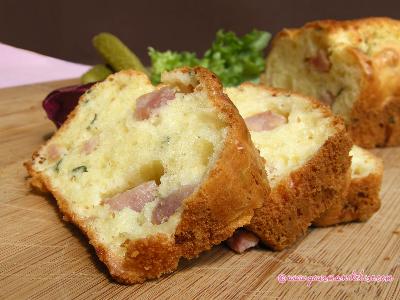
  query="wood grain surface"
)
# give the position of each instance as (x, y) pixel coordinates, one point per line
(41, 256)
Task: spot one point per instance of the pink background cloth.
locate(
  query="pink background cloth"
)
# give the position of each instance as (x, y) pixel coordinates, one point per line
(20, 67)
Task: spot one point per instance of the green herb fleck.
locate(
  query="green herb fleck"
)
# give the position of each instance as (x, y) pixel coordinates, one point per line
(92, 122)
(57, 166)
(392, 120)
(80, 169)
(340, 91)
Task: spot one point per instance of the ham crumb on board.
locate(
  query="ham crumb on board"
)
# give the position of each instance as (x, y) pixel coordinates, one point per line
(148, 103)
(135, 198)
(264, 121)
(167, 206)
(242, 240)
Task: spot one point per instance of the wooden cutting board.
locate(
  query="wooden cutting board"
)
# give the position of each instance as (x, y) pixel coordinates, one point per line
(41, 256)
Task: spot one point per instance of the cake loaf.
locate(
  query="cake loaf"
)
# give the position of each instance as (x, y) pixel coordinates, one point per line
(353, 66)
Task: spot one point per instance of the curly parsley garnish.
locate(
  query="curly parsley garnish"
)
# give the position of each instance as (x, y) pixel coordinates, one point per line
(234, 59)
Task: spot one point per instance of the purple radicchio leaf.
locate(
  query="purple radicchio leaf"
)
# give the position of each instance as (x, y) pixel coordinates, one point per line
(59, 103)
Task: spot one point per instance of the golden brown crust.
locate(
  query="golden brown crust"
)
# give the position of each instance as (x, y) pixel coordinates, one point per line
(375, 115)
(304, 195)
(379, 127)
(34, 179)
(331, 25)
(225, 201)
(361, 201)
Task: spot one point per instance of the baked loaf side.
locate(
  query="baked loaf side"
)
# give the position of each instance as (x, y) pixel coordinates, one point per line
(153, 174)
(353, 66)
(306, 152)
(362, 198)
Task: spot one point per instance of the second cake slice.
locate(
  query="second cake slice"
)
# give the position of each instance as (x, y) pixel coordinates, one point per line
(306, 152)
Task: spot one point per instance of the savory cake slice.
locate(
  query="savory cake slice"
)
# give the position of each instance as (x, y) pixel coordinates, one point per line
(362, 198)
(353, 66)
(306, 152)
(153, 174)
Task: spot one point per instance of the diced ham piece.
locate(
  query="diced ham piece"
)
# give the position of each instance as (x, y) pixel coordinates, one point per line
(168, 205)
(264, 121)
(53, 152)
(320, 61)
(135, 198)
(327, 98)
(242, 240)
(90, 145)
(148, 103)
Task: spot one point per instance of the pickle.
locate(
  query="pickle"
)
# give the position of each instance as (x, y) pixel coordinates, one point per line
(97, 73)
(116, 54)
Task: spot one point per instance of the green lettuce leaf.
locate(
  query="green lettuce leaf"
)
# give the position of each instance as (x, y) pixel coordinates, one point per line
(234, 59)
(169, 60)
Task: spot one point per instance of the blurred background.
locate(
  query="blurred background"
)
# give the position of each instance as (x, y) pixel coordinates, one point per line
(64, 29)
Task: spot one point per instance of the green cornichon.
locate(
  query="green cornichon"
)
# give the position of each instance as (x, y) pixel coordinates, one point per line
(116, 54)
(234, 59)
(96, 73)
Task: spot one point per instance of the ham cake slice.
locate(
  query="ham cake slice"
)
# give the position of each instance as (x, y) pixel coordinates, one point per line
(306, 152)
(153, 174)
